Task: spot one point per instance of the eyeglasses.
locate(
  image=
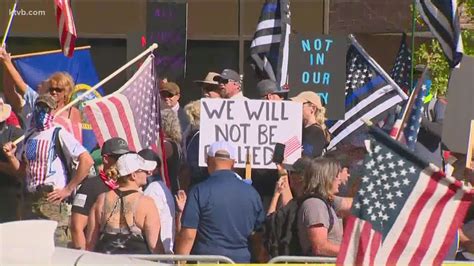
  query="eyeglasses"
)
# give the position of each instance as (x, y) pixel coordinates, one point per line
(166, 94)
(56, 89)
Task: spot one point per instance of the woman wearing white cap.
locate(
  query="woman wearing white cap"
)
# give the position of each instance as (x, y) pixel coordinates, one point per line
(124, 221)
(316, 137)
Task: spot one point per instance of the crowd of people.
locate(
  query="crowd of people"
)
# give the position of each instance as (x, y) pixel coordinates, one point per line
(118, 202)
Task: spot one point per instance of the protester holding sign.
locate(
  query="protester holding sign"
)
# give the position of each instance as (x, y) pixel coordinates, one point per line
(315, 135)
(231, 85)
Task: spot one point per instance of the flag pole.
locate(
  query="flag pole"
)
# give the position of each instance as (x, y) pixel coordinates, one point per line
(47, 52)
(7, 30)
(411, 101)
(102, 82)
(377, 66)
(413, 28)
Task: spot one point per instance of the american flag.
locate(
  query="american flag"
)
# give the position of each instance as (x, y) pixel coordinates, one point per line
(368, 94)
(37, 155)
(406, 211)
(291, 145)
(414, 121)
(74, 128)
(270, 44)
(402, 68)
(132, 112)
(442, 18)
(67, 29)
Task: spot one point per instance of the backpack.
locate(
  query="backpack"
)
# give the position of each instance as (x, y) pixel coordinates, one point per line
(70, 167)
(281, 229)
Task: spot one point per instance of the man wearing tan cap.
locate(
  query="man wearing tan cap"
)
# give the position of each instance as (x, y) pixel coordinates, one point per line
(315, 134)
(170, 94)
(209, 87)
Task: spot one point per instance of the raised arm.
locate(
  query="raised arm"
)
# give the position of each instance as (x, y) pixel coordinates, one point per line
(14, 74)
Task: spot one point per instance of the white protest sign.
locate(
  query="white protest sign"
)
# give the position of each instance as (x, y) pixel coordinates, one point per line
(254, 127)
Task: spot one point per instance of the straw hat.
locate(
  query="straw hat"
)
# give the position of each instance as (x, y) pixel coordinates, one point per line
(5, 110)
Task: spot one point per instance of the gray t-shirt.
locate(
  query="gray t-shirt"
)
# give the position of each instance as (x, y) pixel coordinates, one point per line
(313, 211)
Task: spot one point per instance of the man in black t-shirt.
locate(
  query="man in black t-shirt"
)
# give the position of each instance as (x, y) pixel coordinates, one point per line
(9, 184)
(92, 187)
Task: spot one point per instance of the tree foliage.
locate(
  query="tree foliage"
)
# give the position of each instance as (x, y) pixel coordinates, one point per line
(431, 50)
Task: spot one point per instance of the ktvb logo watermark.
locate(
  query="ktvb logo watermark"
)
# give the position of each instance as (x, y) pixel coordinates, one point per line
(23, 12)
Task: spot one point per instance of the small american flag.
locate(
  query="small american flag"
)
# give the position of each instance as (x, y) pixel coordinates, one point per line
(414, 121)
(37, 154)
(67, 29)
(402, 68)
(406, 211)
(291, 145)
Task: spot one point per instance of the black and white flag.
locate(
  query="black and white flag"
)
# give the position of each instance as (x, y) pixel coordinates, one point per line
(270, 44)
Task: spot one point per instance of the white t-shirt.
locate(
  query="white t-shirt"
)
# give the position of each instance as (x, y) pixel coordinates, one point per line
(164, 201)
(43, 166)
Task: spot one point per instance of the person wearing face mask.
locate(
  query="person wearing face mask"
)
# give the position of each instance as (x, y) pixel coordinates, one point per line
(9, 186)
(48, 179)
(59, 85)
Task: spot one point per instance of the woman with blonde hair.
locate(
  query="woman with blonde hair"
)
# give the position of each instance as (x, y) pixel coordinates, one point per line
(124, 221)
(172, 143)
(60, 85)
(316, 137)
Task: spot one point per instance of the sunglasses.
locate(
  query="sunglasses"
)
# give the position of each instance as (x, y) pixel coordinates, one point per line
(56, 89)
(166, 94)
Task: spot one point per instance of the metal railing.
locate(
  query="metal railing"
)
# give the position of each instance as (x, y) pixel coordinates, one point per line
(302, 259)
(167, 258)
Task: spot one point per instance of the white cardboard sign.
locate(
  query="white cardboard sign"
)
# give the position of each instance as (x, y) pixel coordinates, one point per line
(254, 127)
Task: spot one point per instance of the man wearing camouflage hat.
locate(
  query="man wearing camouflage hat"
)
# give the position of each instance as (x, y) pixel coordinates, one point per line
(46, 159)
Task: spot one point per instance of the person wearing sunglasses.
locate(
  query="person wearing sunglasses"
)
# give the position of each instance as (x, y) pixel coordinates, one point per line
(170, 95)
(60, 85)
(231, 85)
(209, 87)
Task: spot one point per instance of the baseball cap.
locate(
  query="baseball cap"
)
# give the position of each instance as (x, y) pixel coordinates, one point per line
(268, 86)
(48, 100)
(226, 75)
(308, 96)
(299, 165)
(5, 110)
(150, 155)
(117, 146)
(132, 162)
(170, 87)
(222, 150)
(209, 79)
